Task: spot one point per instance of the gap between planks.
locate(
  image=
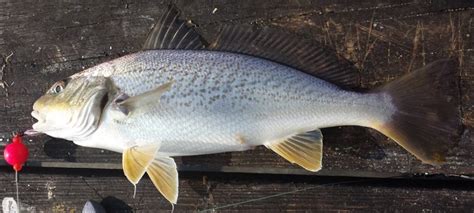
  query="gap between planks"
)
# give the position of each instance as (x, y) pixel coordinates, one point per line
(222, 169)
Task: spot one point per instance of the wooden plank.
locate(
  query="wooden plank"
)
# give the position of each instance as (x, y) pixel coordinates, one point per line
(382, 38)
(68, 190)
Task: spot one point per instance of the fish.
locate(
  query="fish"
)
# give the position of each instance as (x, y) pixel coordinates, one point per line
(183, 95)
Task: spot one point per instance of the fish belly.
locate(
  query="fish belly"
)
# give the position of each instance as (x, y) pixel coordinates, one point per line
(221, 102)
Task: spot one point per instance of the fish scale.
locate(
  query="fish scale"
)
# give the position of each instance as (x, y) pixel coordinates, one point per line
(232, 105)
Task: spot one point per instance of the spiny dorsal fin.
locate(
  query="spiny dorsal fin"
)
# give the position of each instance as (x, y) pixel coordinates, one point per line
(305, 149)
(283, 48)
(170, 32)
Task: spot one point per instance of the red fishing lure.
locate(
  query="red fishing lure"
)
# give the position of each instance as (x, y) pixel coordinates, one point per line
(16, 153)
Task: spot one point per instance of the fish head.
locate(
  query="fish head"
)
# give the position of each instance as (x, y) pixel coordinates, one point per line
(71, 108)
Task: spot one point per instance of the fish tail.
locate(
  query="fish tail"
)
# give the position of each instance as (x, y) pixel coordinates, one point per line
(426, 119)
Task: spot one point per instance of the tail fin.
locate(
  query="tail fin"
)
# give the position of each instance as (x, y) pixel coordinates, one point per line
(427, 117)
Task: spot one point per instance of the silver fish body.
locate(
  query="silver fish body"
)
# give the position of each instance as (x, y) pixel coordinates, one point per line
(220, 102)
(156, 104)
(187, 101)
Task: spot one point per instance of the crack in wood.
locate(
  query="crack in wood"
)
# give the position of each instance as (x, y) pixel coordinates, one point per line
(3, 83)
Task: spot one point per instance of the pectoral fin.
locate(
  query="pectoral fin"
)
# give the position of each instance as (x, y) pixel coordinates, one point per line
(305, 149)
(136, 160)
(143, 102)
(164, 175)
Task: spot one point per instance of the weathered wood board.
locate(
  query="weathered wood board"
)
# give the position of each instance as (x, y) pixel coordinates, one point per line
(44, 41)
(54, 39)
(67, 191)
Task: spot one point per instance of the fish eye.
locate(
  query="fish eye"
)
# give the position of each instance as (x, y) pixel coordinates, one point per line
(57, 87)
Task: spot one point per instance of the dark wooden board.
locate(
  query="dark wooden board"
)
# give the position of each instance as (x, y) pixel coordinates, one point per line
(384, 39)
(54, 39)
(68, 190)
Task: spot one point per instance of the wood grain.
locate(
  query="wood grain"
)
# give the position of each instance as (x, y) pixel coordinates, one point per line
(383, 39)
(44, 41)
(68, 190)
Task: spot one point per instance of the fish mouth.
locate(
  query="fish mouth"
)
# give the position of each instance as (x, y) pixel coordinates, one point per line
(36, 126)
(36, 115)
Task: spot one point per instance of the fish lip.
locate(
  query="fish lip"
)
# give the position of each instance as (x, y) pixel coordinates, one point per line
(32, 132)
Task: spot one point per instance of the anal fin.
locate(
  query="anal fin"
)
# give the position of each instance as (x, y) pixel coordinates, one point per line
(305, 149)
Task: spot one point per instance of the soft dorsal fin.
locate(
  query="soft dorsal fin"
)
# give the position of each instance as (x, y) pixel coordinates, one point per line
(304, 149)
(170, 32)
(309, 57)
